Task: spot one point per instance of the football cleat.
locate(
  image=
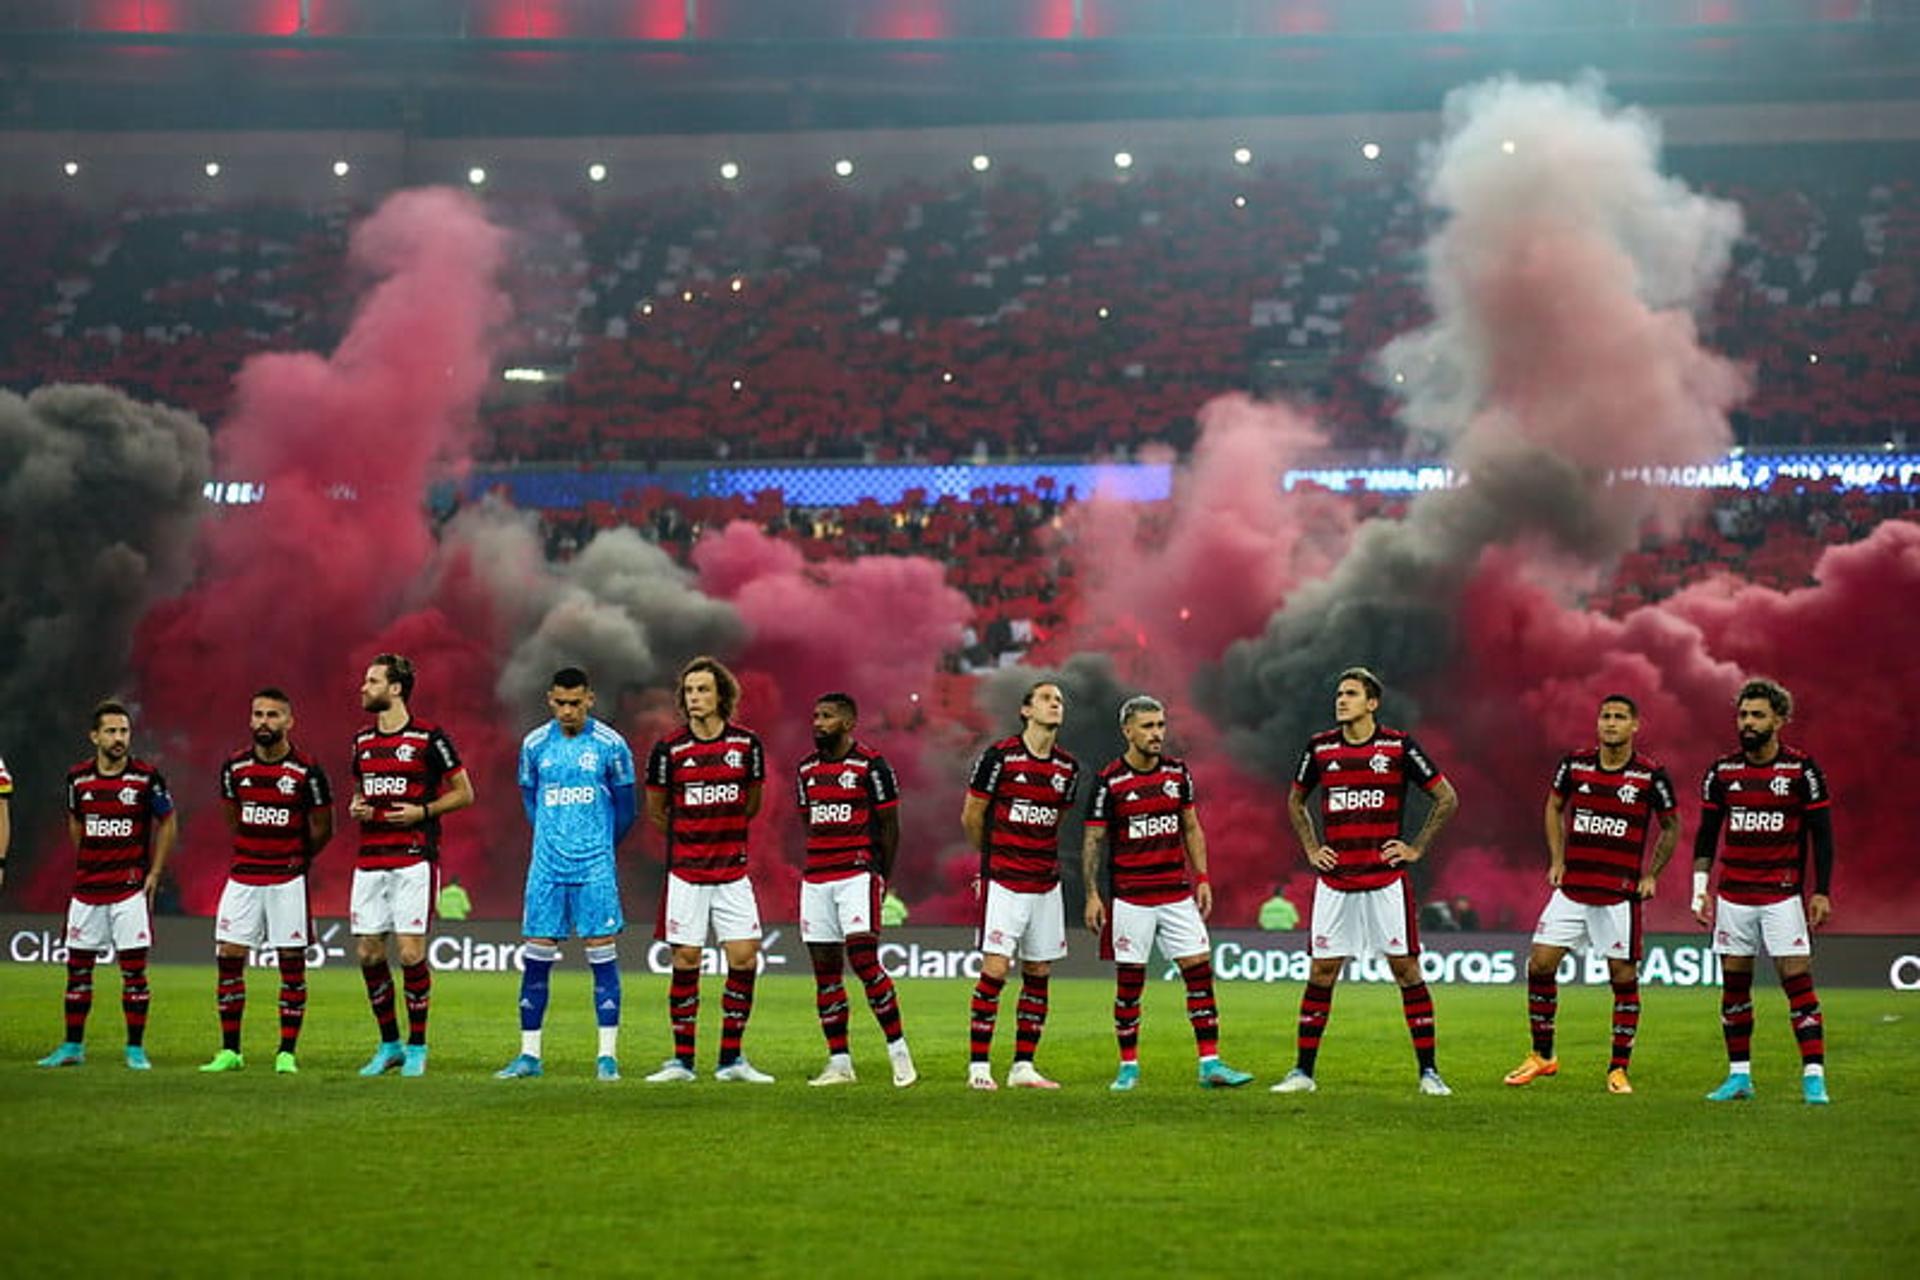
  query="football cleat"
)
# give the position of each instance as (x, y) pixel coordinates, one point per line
(524, 1067)
(606, 1069)
(980, 1076)
(137, 1058)
(385, 1058)
(903, 1069)
(285, 1064)
(1617, 1081)
(225, 1060)
(673, 1071)
(1531, 1068)
(413, 1063)
(1735, 1088)
(1215, 1074)
(1813, 1089)
(70, 1054)
(1127, 1078)
(1025, 1075)
(839, 1070)
(1433, 1086)
(1295, 1081)
(740, 1071)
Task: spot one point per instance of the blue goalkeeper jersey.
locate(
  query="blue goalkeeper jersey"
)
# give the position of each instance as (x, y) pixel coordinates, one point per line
(579, 796)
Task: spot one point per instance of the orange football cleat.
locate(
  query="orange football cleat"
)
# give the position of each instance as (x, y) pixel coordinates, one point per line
(1532, 1069)
(1617, 1081)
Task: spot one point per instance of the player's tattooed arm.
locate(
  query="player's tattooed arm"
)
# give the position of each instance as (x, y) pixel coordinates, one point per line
(1556, 839)
(1322, 857)
(1446, 803)
(1663, 846)
(1093, 847)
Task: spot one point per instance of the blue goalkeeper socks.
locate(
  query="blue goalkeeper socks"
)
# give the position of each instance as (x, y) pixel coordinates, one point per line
(536, 980)
(606, 984)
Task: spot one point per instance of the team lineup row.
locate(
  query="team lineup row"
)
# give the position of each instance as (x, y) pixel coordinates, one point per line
(1144, 860)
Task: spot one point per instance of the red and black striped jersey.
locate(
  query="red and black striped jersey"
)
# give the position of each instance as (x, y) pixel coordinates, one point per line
(117, 813)
(840, 801)
(706, 781)
(1027, 796)
(6, 781)
(1141, 811)
(1608, 814)
(271, 800)
(1363, 801)
(1765, 807)
(411, 765)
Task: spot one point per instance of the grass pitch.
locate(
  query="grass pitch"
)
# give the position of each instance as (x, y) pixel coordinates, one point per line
(175, 1173)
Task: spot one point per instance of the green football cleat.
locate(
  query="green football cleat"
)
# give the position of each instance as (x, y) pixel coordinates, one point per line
(284, 1064)
(70, 1054)
(225, 1060)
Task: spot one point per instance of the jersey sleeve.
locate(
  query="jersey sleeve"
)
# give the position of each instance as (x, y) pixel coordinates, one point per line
(319, 790)
(659, 767)
(159, 799)
(620, 764)
(1306, 776)
(73, 795)
(986, 773)
(1815, 782)
(227, 786)
(1100, 802)
(1072, 792)
(1664, 800)
(1712, 794)
(1562, 784)
(1186, 787)
(527, 774)
(882, 786)
(1420, 766)
(443, 753)
(756, 760)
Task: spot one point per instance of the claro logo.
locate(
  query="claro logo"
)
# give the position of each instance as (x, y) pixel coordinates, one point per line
(1904, 973)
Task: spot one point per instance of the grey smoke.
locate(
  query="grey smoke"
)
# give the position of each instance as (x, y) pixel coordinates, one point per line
(1561, 347)
(99, 498)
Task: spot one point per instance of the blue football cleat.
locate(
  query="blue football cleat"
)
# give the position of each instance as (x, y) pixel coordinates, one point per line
(1737, 1087)
(137, 1059)
(386, 1058)
(1215, 1074)
(70, 1054)
(523, 1067)
(413, 1063)
(606, 1069)
(1814, 1090)
(1126, 1078)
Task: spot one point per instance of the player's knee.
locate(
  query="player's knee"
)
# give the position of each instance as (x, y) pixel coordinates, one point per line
(1036, 968)
(994, 966)
(686, 958)
(232, 951)
(371, 951)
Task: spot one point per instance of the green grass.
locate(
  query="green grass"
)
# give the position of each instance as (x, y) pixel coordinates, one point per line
(174, 1173)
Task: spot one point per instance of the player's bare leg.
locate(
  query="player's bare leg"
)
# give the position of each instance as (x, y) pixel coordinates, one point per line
(1416, 1005)
(1543, 1001)
(1316, 1005)
(378, 976)
(1204, 1014)
(1030, 1021)
(736, 1006)
(985, 1013)
(1625, 978)
(1736, 1025)
(1809, 1027)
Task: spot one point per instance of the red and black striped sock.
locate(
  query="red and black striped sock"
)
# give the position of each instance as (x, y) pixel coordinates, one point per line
(293, 996)
(683, 1012)
(1416, 1002)
(1316, 1006)
(830, 1001)
(1809, 1028)
(1543, 1004)
(1129, 984)
(1736, 1015)
(379, 980)
(986, 1011)
(736, 1006)
(79, 999)
(1626, 1022)
(1202, 1012)
(134, 995)
(864, 955)
(1029, 1016)
(419, 984)
(230, 998)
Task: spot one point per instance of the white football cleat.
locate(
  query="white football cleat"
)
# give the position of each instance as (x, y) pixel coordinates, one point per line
(839, 1070)
(1025, 1075)
(1295, 1081)
(1433, 1086)
(980, 1076)
(903, 1070)
(672, 1071)
(740, 1071)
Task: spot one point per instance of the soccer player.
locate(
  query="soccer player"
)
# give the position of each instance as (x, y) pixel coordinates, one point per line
(577, 785)
(703, 789)
(121, 821)
(1142, 805)
(1772, 802)
(1363, 904)
(1599, 807)
(850, 802)
(1022, 787)
(407, 776)
(280, 809)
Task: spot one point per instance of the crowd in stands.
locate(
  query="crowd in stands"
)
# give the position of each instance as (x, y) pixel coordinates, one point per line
(991, 315)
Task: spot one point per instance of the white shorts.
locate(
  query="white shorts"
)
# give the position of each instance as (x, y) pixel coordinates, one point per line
(1030, 926)
(273, 915)
(689, 908)
(833, 909)
(1177, 926)
(1739, 930)
(109, 926)
(1363, 922)
(1612, 931)
(396, 901)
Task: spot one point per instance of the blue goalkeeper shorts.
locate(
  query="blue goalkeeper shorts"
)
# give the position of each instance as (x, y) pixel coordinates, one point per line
(589, 910)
